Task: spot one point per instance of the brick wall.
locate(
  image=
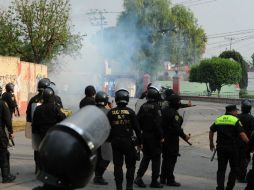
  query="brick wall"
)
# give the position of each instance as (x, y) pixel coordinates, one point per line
(23, 75)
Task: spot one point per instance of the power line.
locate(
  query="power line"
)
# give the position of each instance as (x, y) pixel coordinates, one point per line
(195, 2)
(233, 33)
(97, 18)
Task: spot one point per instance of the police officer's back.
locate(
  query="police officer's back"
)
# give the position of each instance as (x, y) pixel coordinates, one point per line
(123, 122)
(37, 99)
(149, 117)
(101, 99)
(228, 128)
(89, 97)
(247, 121)
(47, 114)
(9, 97)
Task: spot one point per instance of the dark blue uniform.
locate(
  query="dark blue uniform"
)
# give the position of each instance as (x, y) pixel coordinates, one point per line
(123, 121)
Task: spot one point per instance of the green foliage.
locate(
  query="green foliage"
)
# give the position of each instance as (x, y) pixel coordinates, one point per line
(243, 93)
(216, 72)
(37, 31)
(194, 74)
(238, 58)
(150, 32)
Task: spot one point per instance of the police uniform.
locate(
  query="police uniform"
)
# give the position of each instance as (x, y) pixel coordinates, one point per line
(228, 128)
(123, 121)
(5, 121)
(35, 99)
(247, 121)
(89, 97)
(86, 101)
(45, 116)
(171, 122)
(250, 175)
(9, 98)
(149, 117)
(101, 162)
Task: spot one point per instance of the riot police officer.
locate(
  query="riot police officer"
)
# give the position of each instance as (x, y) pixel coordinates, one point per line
(89, 98)
(68, 151)
(250, 175)
(9, 98)
(123, 121)
(45, 116)
(248, 123)
(101, 99)
(5, 122)
(149, 117)
(172, 122)
(32, 104)
(228, 128)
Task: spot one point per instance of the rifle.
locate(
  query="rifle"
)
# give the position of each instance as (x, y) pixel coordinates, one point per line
(212, 158)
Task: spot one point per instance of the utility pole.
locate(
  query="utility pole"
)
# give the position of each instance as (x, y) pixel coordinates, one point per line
(97, 18)
(230, 41)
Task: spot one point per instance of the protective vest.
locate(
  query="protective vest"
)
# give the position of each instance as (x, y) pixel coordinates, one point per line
(226, 120)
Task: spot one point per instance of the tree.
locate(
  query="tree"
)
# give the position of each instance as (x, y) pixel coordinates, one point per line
(232, 54)
(37, 31)
(150, 32)
(216, 73)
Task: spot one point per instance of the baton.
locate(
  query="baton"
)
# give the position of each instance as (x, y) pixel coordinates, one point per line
(12, 142)
(212, 158)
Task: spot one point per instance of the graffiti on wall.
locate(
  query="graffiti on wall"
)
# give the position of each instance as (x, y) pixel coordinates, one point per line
(5, 79)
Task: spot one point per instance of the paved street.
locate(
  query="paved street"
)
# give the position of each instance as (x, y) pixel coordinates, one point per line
(194, 169)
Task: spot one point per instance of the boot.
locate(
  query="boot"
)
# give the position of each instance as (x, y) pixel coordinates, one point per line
(119, 186)
(139, 182)
(99, 180)
(129, 185)
(163, 181)
(7, 177)
(174, 184)
(156, 184)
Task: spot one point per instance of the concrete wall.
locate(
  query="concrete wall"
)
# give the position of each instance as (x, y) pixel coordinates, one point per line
(23, 75)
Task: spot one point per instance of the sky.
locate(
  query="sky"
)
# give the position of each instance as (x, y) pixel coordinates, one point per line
(225, 16)
(214, 16)
(227, 23)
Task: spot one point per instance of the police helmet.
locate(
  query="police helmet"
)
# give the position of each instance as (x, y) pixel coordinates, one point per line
(47, 94)
(9, 87)
(167, 93)
(1, 90)
(43, 83)
(153, 94)
(122, 96)
(174, 100)
(101, 98)
(90, 91)
(246, 106)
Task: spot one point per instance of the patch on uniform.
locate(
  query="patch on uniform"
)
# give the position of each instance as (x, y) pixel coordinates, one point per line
(5, 104)
(159, 113)
(176, 117)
